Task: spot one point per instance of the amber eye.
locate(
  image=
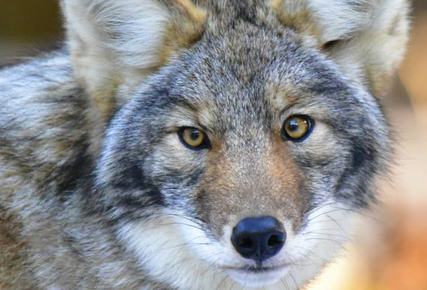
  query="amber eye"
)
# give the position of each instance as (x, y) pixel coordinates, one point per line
(297, 127)
(193, 138)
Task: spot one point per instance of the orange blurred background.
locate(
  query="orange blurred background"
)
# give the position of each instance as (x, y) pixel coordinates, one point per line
(391, 254)
(390, 250)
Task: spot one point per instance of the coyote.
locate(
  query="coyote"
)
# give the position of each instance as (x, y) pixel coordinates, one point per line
(207, 144)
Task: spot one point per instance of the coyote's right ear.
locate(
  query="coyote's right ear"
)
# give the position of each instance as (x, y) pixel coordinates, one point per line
(113, 40)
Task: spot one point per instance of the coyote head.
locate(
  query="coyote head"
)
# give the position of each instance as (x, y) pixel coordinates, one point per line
(244, 135)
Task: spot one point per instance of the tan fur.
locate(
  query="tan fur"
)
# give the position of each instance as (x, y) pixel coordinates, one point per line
(234, 190)
(183, 31)
(295, 15)
(14, 270)
(369, 41)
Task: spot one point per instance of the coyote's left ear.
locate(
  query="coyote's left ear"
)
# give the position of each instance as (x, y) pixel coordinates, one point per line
(116, 40)
(367, 38)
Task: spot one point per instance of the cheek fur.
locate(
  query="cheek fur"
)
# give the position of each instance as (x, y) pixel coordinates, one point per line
(176, 170)
(171, 155)
(320, 148)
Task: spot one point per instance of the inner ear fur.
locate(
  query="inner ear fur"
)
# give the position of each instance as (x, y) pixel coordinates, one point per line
(366, 38)
(115, 45)
(114, 40)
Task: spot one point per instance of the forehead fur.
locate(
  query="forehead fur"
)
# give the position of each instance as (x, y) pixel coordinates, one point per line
(215, 76)
(116, 45)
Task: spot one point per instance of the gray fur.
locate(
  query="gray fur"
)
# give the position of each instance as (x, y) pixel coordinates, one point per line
(70, 214)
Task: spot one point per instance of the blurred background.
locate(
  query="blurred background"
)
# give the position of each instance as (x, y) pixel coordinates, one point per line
(390, 249)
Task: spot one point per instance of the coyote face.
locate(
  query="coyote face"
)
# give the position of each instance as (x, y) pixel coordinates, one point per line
(210, 140)
(235, 141)
(254, 145)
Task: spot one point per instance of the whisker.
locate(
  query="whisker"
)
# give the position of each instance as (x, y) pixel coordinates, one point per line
(293, 279)
(285, 283)
(337, 224)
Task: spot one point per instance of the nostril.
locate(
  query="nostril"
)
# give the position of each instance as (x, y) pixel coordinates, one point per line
(246, 243)
(275, 241)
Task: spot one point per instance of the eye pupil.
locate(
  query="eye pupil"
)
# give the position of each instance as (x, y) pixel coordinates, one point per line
(193, 138)
(293, 125)
(297, 127)
(195, 135)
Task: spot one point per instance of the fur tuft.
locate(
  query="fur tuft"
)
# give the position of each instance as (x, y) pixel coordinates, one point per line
(115, 45)
(366, 38)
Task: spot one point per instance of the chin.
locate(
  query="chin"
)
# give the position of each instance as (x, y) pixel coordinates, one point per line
(257, 277)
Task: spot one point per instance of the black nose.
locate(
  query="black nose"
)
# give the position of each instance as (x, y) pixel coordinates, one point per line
(258, 238)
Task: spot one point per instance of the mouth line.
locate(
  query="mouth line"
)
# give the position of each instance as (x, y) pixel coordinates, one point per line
(256, 269)
(257, 276)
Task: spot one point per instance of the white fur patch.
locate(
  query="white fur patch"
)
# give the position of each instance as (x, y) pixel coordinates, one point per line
(329, 227)
(174, 250)
(131, 31)
(163, 252)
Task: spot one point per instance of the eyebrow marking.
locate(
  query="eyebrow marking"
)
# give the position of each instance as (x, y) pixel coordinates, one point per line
(287, 108)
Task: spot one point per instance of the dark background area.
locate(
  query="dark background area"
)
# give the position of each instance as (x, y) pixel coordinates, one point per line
(28, 27)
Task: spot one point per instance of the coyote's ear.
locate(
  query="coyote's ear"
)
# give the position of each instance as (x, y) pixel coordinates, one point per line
(367, 38)
(113, 40)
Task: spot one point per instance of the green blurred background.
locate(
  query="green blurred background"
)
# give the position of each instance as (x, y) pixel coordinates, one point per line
(30, 27)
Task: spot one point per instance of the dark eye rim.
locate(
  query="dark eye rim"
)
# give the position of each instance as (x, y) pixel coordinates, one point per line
(311, 124)
(206, 144)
